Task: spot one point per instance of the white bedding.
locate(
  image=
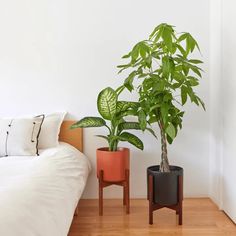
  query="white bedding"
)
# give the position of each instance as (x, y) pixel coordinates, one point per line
(38, 195)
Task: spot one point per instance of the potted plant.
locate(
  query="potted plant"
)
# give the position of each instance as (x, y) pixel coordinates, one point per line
(167, 77)
(114, 160)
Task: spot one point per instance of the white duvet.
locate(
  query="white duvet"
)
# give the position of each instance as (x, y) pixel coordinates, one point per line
(38, 195)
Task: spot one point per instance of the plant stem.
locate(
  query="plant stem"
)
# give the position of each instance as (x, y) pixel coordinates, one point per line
(164, 166)
(110, 146)
(115, 144)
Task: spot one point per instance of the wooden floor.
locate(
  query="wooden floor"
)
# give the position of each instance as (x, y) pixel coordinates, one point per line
(200, 218)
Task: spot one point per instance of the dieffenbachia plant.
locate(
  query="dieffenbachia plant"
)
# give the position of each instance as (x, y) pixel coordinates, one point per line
(167, 77)
(113, 113)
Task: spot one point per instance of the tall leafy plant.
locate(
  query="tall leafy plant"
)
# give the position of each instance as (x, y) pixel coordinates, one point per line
(113, 113)
(167, 76)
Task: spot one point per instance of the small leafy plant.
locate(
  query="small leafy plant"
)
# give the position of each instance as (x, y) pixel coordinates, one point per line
(113, 113)
(167, 77)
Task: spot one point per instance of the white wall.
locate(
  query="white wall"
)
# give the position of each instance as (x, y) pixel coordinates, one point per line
(216, 116)
(57, 55)
(222, 109)
(228, 108)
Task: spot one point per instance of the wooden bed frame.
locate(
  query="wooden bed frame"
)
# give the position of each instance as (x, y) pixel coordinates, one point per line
(72, 136)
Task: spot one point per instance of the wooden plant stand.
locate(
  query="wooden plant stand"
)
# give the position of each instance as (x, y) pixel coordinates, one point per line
(155, 206)
(124, 183)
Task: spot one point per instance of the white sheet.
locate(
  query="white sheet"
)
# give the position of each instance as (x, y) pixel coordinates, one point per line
(38, 195)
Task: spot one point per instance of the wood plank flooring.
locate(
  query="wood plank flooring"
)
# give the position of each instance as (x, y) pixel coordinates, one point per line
(201, 217)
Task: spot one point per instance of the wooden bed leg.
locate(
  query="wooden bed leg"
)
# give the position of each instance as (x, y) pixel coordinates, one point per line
(76, 211)
(101, 193)
(150, 198)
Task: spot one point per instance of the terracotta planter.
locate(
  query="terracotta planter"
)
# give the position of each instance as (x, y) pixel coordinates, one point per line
(113, 164)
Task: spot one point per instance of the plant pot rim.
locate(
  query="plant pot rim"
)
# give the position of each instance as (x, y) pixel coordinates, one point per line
(106, 149)
(154, 170)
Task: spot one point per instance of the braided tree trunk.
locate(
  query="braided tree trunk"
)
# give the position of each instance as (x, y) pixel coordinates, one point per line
(164, 166)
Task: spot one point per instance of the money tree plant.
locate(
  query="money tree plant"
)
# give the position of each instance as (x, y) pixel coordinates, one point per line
(167, 75)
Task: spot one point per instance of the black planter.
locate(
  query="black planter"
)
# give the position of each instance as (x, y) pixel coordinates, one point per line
(165, 184)
(165, 189)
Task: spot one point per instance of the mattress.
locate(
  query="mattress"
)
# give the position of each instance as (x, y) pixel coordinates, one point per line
(38, 195)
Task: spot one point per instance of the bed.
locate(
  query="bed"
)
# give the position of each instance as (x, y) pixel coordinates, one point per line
(39, 195)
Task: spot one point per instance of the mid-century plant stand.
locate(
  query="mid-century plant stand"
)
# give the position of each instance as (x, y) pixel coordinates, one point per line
(124, 184)
(155, 206)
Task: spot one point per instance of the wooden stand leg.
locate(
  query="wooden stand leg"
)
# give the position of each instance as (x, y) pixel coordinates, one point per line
(150, 198)
(178, 207)
(123, 183)
(180, 210)
(127, 200)
(124, 197)
(101, 193)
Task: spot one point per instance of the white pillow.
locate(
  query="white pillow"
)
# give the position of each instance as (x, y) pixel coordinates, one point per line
(50, 130)
(19, 137)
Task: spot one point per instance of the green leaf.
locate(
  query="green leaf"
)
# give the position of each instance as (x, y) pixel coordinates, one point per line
(126, 105)
(159, 85)
(156, 55)
(169, 139)
(164, 110)
(126, 56)
(128, 113)
(196, 71)
(153, 33)
(120, 89)
(129, 125)
(151, 131)
(129, 81)
(167, 97)
(153, 119)
(158, 36)
(194, 61)
(156, 33)
(134, 125)
(178, 76)
(191, 43)
(185, 69)
(166, 66)
(143, 49)
(170, 130)
(142, 120)
(167, 37)
(193, 81)
(87, 122)
(181, 49)
(132, 139)
(106, 103)
(123, 67)
(148, 61)
(182, 37)
(183, 94)
(192, 95)
(135, 53)
(154, 107)
(202, 103)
